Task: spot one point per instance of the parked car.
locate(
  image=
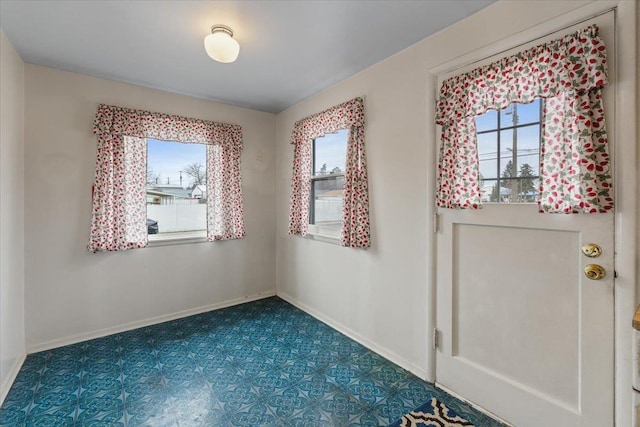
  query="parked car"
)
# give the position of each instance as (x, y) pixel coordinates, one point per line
(152, 226)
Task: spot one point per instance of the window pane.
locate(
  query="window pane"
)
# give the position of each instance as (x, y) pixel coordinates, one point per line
(508, 187)
(493, 193)
(528, 113)
(510, 165)
(506, 154)
(331, 153)
(506, 116)
(488, 190)
(528, 145)
(488, 155)
(176, 187)
(487, 121)
(517, 191)
(528, 190)
(328, 195)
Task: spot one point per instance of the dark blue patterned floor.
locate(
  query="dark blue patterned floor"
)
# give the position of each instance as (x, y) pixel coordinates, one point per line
(263, 363)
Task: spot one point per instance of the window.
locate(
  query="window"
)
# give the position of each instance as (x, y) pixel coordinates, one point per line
(176, 190)
(327, 183)
(509, 153)
(320, 204)
(119, 217)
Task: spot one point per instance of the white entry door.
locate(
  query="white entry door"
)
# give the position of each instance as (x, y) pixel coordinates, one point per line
(523, 333)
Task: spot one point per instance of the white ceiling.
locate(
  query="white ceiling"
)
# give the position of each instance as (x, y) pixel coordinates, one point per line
(289, 50)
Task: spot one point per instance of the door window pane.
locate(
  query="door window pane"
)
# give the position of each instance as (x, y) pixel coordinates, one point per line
(509, 153)
(487, 121)
(506, 116)
(506, 154)
(528, 113)
(488, 155)
(529, 148)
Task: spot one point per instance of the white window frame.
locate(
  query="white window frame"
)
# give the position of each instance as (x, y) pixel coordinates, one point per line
(319, 232)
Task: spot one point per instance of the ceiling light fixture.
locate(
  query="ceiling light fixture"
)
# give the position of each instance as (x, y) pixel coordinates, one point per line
(220, 44)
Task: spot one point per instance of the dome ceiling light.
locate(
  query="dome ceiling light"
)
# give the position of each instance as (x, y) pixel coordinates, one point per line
(220, 44)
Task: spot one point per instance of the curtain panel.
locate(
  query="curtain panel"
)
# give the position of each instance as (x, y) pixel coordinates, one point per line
(349, 115)
(118, 219)
(225, 215)
(568, 74)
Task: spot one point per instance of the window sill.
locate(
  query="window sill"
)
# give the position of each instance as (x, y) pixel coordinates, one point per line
(168, 239)
(323, 237)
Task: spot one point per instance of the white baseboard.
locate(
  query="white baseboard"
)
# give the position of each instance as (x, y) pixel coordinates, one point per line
(142, 323)
(387, 354)
(11, 376)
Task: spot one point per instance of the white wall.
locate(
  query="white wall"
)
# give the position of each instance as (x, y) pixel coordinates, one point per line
(73, 294)
(378, 294)
(12, 332)
(381, 295)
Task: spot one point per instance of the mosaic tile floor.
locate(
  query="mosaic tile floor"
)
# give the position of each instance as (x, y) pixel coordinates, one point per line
(263, 363)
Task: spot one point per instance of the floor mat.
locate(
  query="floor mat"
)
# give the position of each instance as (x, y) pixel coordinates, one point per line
(433, 413)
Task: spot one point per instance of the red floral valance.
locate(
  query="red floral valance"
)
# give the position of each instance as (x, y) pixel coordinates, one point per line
(574, 63)
(115, 120)
(343, 116)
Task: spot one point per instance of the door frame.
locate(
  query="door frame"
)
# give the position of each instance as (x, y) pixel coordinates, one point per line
(625, 177)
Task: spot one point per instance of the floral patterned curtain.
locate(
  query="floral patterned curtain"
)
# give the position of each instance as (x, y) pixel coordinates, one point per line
(224, 193)
(134, 186)
(569, 74)
(355, 231)
(119, 203)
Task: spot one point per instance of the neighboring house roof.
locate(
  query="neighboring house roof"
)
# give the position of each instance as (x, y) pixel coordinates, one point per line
(159, 193)
(178, 192)
(202, 188)
(169, 190)
(164, 186)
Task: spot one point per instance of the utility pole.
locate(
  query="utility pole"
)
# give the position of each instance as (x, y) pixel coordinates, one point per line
(180, 178)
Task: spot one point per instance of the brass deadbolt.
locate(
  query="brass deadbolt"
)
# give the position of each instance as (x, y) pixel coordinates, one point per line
(591, 250)
(594, 272)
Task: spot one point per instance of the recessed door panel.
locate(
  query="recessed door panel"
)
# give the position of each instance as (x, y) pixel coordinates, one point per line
(515, 306)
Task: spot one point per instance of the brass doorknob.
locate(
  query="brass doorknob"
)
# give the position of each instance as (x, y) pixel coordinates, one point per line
(594, 272)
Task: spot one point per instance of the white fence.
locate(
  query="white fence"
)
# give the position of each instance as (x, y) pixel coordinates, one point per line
(172, 218)
(191, 217)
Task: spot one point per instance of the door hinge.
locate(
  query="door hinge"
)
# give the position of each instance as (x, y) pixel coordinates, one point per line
(436, 338)
(436, 222)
